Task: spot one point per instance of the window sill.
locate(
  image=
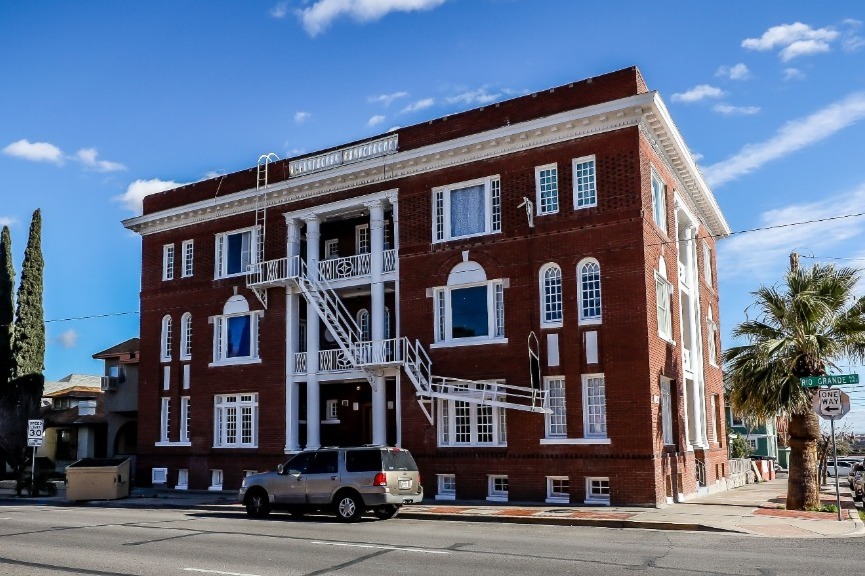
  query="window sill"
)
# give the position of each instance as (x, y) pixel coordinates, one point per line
(229, 276)
(574, 441)
(235, 362)
(164, 444)
(584, 206)
(548, 213)
(215, 488)
(330, 421)
(182, 487)
(185, 358)
(237, 447)
(558, 500)
(468, 342)
(551, 325)
(596, 502)
(497, 498)
(467, 237)
(473, 445)
(666, 338)
(589, 321)
(445, 497)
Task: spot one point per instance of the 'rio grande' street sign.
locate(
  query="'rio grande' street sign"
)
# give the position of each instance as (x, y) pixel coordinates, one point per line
(829, 380)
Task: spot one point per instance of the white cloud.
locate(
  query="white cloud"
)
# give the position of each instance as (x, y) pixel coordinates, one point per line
(301, 117)
(68, 339)
(35, 151)
(736, 72)
(852, 22)
(762, 253)
(696, 156)
(88, 157)
(730, 110)
(394, 128)
(213, 174)
(479, 96)
(697, 93)
(375, 120)
(794, 40)
(419, 105)
(322, 13)
(852, 44)
(793, 74)
(792, 136)
(387, 99)
(133, 198)
(280, 10)
(7, 221)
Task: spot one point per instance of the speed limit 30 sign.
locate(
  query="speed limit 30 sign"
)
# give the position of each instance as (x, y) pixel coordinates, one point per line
(35, 428)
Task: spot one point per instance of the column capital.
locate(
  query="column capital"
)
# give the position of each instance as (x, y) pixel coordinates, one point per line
(376, 212)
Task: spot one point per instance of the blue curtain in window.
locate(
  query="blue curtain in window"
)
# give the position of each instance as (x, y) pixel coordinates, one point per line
(467, 211)
(239, 337)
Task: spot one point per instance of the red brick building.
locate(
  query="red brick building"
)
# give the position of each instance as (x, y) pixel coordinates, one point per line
(389, 291)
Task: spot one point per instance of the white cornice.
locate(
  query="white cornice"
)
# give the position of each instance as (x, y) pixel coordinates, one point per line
(509, 139)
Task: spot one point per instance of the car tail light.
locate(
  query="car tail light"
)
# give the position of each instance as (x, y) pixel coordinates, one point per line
(380, 479)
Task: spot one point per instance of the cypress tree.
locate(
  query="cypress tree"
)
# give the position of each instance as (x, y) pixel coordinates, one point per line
(28, 346)
(7, 307)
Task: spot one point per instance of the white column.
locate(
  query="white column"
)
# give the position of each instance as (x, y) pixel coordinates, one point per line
(379, 393)
(313, 405)
(697, 412)
(292, 344)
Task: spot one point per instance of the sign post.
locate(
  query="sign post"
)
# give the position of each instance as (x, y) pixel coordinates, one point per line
(35, 429)
(831, 404)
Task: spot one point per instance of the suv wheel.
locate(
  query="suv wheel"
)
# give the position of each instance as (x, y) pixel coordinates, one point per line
(257, 504)
(386, 512)
(349, 507)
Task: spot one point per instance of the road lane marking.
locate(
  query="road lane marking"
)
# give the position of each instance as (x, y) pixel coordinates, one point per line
(203, 571)
(379, 547)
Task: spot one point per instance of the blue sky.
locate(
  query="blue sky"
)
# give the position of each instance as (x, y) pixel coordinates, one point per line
(103, 102)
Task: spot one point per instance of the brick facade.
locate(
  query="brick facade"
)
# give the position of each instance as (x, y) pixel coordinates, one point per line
(619, 233)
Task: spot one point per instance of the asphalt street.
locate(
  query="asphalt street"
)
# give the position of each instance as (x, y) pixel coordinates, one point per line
(42, 540)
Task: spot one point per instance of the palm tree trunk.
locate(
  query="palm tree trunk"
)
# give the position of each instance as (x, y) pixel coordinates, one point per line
(803, 490)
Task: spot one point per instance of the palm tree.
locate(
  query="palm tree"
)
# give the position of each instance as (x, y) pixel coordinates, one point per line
(805, 325)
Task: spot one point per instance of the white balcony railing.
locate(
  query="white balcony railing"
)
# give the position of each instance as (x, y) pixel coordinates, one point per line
(347, 267)
(349, 155)
(389, 264)
(370, 353)
(300, 363)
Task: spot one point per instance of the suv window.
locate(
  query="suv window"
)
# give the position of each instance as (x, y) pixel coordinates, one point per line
(324, 463)
(299, 463)
(399, 460)
(363, 460)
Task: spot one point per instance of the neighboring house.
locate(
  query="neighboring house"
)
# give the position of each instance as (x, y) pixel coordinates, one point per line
(762, 436)
(120, 384)
(309, 301)
(75, 423)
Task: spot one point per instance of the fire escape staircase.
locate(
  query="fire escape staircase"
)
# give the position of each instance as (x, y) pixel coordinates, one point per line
(372, 356)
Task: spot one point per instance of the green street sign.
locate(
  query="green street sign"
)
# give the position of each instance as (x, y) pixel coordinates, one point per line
(829, 380)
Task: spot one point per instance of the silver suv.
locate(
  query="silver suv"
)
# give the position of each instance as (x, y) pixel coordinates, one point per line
(348, 481)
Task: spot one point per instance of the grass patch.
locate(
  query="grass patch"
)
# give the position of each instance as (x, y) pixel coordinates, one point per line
(824, 508)
(861, 514)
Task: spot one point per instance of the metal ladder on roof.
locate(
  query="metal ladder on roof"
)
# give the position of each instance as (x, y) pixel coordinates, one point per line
(261, 214)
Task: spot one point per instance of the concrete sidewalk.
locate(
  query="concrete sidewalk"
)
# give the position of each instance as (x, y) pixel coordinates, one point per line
(754, 509)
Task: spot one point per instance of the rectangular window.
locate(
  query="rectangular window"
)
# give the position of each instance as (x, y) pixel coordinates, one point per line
(187, 248)
(736, 420)
(235, 338)
(215, 480)
(467, 209)
(469, 424)
(447, 487)
(752, 444)
(331, 249)
(235, 421)
(585, 183)
(331, 410)
(185, 419)
(361, 239)
(594, 406)
(666, 413)
(663, 292)
(659, 201)
(558, 490)
(557, 422)
(547, 189)
(597, 490)
(168, 262)
(711, 334)
(164, 419)
(234, 252)
(707, 262)
(497, 488)
(472, 312)
(182, 479)
(712, 436)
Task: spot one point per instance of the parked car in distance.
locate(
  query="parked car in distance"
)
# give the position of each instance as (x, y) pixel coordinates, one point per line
(347, 481)
(844, 466)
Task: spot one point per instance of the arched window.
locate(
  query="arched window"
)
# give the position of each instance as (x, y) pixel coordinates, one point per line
(165, 352)
(589, 274)
(363, 324)
(186, 336)
(470, 307)
(551, 294)
(235, 333)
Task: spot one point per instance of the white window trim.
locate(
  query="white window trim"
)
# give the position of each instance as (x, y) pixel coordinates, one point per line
(184, 419)
(707, 263)
(219, 439)
(357, 236)
(187, 268)
(586, 434)
(217, 478)
(668, 295)
(494, 495)
(168, 262)
(581, 319)
(164, 419)
(576, 441)
(489, 227)
(185, 333)
(491, 338)
(220, 261)
(331, 411)
(439, 487)
(543, 293)
(711, 340)
(582, 160)
(182, 479)
(166, 336)
(547, 417)
(667, 412)
(538, 203)
(331, 249)
(663, 207)
(220, 335)
(592, 499)
(556, 498)
(498, 414)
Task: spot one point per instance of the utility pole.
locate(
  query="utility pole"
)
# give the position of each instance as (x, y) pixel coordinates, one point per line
(794, 261)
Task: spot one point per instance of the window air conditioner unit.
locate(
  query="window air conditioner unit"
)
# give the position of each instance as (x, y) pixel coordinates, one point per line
(109, 383)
